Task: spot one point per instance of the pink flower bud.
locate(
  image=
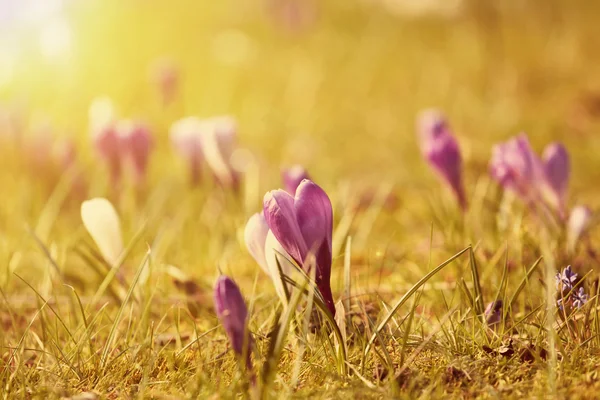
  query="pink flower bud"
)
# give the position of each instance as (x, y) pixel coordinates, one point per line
(136, 144)
(292, 177)
(440, 149)
(185, 136)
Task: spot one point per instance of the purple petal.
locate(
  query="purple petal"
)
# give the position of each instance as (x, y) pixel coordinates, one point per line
(232, 312)
(557, 170)
(314, 214)
(516, 167)
(315, 217)
(255, 236)
(280, 215)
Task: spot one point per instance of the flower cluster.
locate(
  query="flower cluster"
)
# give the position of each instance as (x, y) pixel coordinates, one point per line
(568, 292)
(120, 142)
(210, 141)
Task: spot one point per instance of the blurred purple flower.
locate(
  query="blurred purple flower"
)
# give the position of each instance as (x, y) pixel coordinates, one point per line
(210, 140)
(516, 167)
(218, 142)
(303, 225)
(165, 75)
(292, 177)
(557, 171)
(233, 315)
(440, 148)
(493, 313)
(185, 136)
(136, 142)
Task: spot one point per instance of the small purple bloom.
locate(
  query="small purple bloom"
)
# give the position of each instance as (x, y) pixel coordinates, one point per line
(292, 177)
(233, 314)
(303, 225)
(565, 279)
(579, 298)
(440, 148)
(557, 171)
(517, 168)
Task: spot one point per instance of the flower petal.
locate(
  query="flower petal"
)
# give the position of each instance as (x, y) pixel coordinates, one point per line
(255, 236)
(280, 215)
(557, 171)
(102, 222)
(314, 215)
(276, 257)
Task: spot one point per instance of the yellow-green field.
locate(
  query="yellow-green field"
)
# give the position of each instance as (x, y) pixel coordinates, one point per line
(334, 86)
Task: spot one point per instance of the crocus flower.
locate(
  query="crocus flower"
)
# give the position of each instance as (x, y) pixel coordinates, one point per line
(556, 170)
(218, 141)
(493, 313)
(165, 76)
(211, 140)
(105, 138)
(136, 143)
(186, 137)
(268, 252)
(119, 141)
(303, 226)
(292, 177)
(579, 221)
(233, 315)
(440, 148)
(517, 168)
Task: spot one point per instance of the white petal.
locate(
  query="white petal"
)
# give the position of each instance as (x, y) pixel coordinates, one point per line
(579, 221)
(255, 236)
(102, 222)
(274, 252)
(218, 141)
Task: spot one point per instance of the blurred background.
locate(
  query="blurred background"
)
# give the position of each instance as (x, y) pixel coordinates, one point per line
(334, 85)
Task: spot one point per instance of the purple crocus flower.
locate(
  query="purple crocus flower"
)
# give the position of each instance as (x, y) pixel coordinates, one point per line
(233, 314)
(292, 177)
(303, 225)
(557, 171)
(517, 168)
(440, 149)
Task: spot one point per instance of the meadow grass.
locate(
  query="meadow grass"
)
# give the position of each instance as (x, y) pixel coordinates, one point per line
(339, 97)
